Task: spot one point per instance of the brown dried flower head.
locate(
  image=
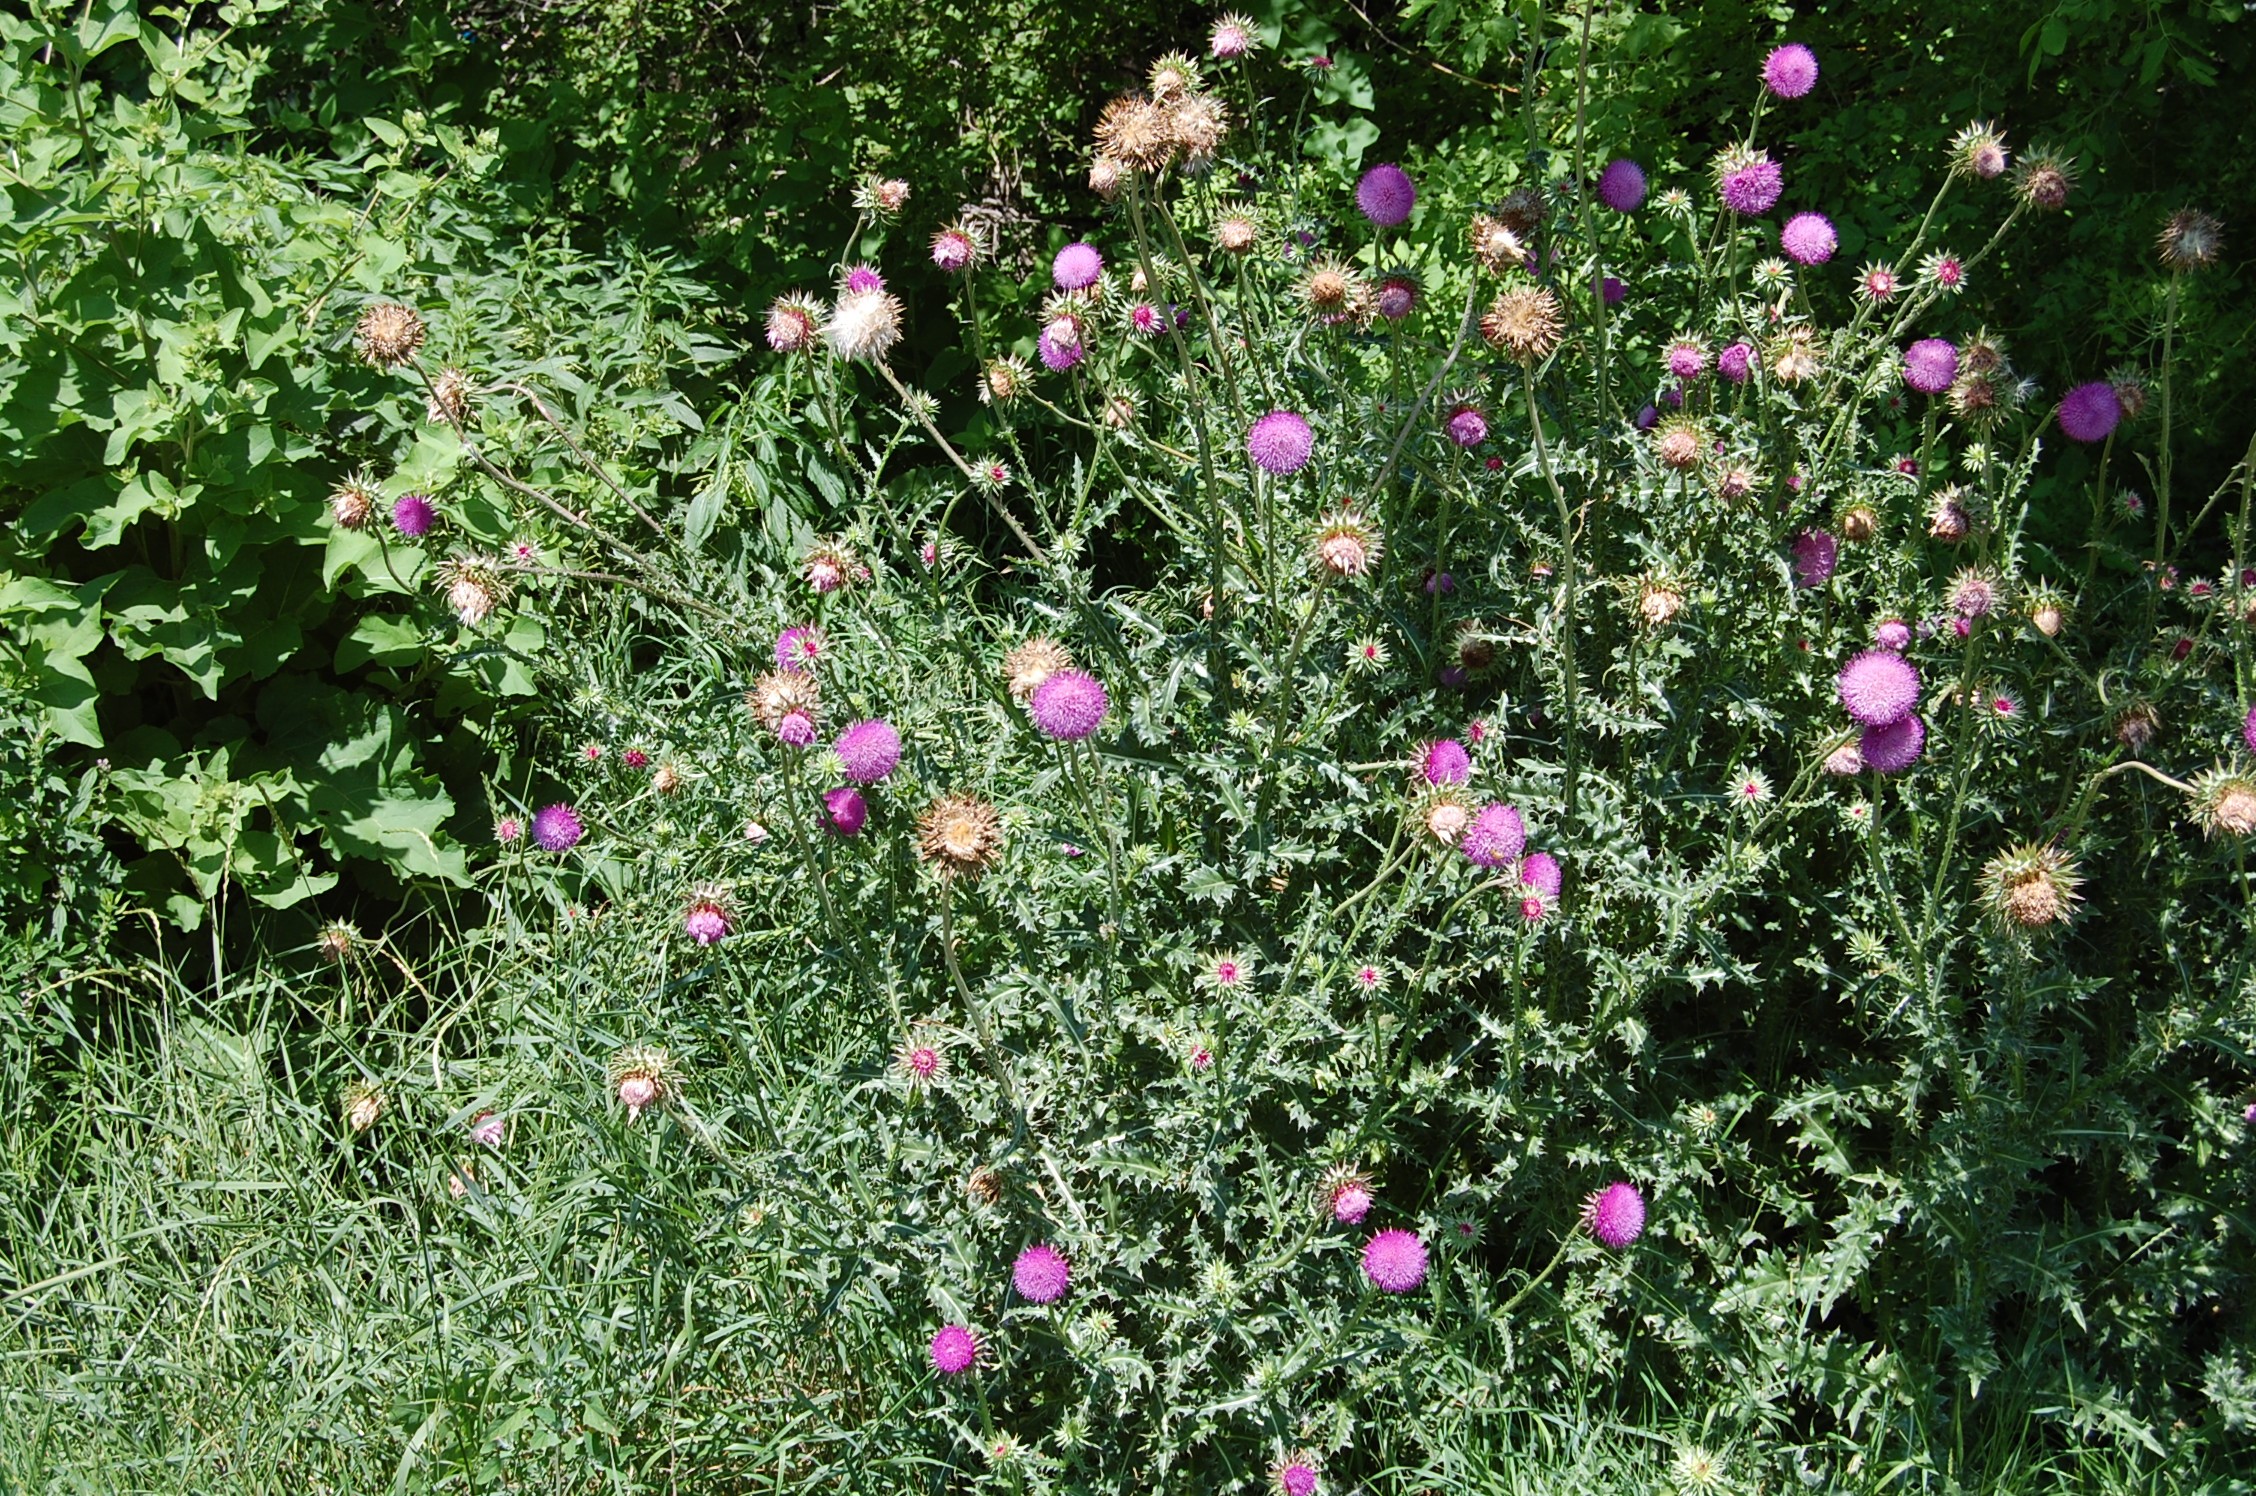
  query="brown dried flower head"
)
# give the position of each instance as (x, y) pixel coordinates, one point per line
(388, 334)
(1104, 177)
(1199, 124)
(1004, 380)
(2136, 725)
(353, 502)
(1031, 663)
(1524, 323)
(2225, 803)
(1795, 358)
(2190, 240)
(1495, 245)
(1858, 523)
(1137, 133)
(1658, 602)
(960, 835)
(449, 400)
(1679, 444)
(783, 693)
(1236, 229)
(2031, 886)
(1522, 211)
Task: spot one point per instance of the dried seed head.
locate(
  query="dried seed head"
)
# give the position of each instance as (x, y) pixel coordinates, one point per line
(1199, 124)
(353, 502)
(641, 1076)
(362, 1104)
(1136, 133)
(1029, 664)
(864, 324)
(1120, 411)
(1495, 245)
(1523, 323)
(1658, 602)
(961, 835)
(2136, 725)
(1476, 646)
(1446, 819)
(1858, 523)
(388, 334)
(1104, 177)
(1947, 519)
(984, 1186)
(1236, 229)
(2225, 802)
(667, 780)
(1794, 357)
(449, 400)
(1975, 399)
(1522, 211)
(1326, 286)
(2130, 390)
(2190, 240)
(2031, 886)
(338, 940)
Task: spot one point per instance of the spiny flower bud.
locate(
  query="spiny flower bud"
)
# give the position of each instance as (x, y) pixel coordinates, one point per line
(1679, 444)
(1349, 546)
(2043, 181)
(2048, 613)
(1859, 523)
(642, 1076)
(1005, 380)
(1979, 151)
(388, 334)
(2225, 802)
(881, 196)
(793, 324)
(353, 502)
(1446, 819)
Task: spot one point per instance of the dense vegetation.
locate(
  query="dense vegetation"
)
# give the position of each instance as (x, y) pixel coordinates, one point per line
(724, 775)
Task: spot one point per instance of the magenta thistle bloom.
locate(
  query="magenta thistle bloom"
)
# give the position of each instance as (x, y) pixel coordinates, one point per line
(1041, 1274)
(1395, 1261)
(862, 279)
(1808, 239)
(1541, 878)
(1297, 1477)
(1879, 687)
(2089, 412)
(413, 514)
(796, 729)
(1752, 188)
(1615, 1214)
(1686, 359)
(1398, 297)
(1611, 291)
(798, 648)
(1894, 634)
(706, 922)
(952, 249)
(1351, 1202)
(1895, 747)
(1069, 705)
(868, 750)
(1386, 195)
(1930, 365)
(1621, 186)
(1280, 442)
(954, 1349)
(1445, 761)
(1791, 71)
(1815, 553)
(1466, 426)
(2248, 729)
(1736, 362)
(556, 828)
(1496, 836)
(1077, 267)
(507, 829)
(1061, 346)
(846, 810)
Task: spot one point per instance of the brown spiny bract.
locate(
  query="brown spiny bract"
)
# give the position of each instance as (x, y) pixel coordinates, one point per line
(1137, 133)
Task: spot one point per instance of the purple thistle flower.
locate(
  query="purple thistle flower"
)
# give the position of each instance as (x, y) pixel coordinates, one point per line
(1541, 875)
(1447, 762)
(1041, 1274)
(954, 1349)
(1296, 1477)
(1061, 346)
(798, 648)
(2248, 729)
(1815, 553)
(1791, 71)
(1894, 634)
(796, 729)
(1398, 297)
(413, 514)
(1753, 189)
(2089, 412)
(1612, 291)
(1686, 359)
(1808, 239)
(1878, 687)
(868, 750)
(1621, 186)
(1280, 442)
(1930, 365)
(846, 810)
(1466, 426)
(1648, 416)
(706, 922)
(557, 828)
(1895, 747)
(1069, 705)
(1736, 362)
(1352, 1203)
(1395, 1261)
(1615, 1214)
(1077, 267)
(1386, 195)
(1495, 837)
(862, 279)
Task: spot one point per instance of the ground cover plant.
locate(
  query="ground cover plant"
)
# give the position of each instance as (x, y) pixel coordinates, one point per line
(1412, 839)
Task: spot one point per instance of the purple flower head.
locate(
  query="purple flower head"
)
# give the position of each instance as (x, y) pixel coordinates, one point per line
(1398, 297)
(796, 729)
(1686, 359)
(862, 278)
(1615, 1214)
(489, 1130)
(1076, 267)
(952, 250)
(1673, 397)
(1061, 345)
(1069, 705)
(413, 514)
(2248, 729)
(1878, 687)
(1296, 1477)
(1753, 189)
(1495, 837)
(954, 1349)
(1280, 442)
(1351, 1204)
(1894, 634)
(1815, 553)
(797, 649)
(1041, 1274)
(706, 923)
(1736, 362)
(557, 828)
(868, 750)
(1541, 875)
(1612, 291)
(1791, 71)
(1447, 762)
(1648, 417)
(1621, 186)
(1466, 426)
(846, 810)
(1895, 747)
(1930, 365)
(1386, 195)
(1395, 1261)
(1808, 239)
(2088, 413)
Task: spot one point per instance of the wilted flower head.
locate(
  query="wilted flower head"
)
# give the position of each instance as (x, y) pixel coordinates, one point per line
(864, 324)
(1979, 151)
(1947, 518)
(1041, 1274)
(1496, 836)
(830, 566)
(1003, 380)
(2048, 614)
(1748, 181)
(1348, 546)
(710, 914)
(882, 196)
(1808, 238)
(955, 247)
(1280, 442)
(1386, 195)
(472, 586)
(338, 940)
(1973, 594)
(1136, 133)
(1658, 602)
(2030, 886)
(2190, 240)
(793, 324)
(2044, 180)
(1069, 705)
(1621, 186)
(787, 703)
(1878, 687)
(1679, 444)
(388, 334)
(641, 1076)
(2224, 801)
(2129, 385)
(1236, 228)
(1327, 286)
(449, 400)
(488, 1129)
(1523, 323)
(1446, 819)
(2090, 412)
(1495, 245)
(960, 835)
(2136, 724)
(557, 828)
(1790, 71)
(1795, 356)
(1615, 1215)
(1395, 1261)
(352, 503)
